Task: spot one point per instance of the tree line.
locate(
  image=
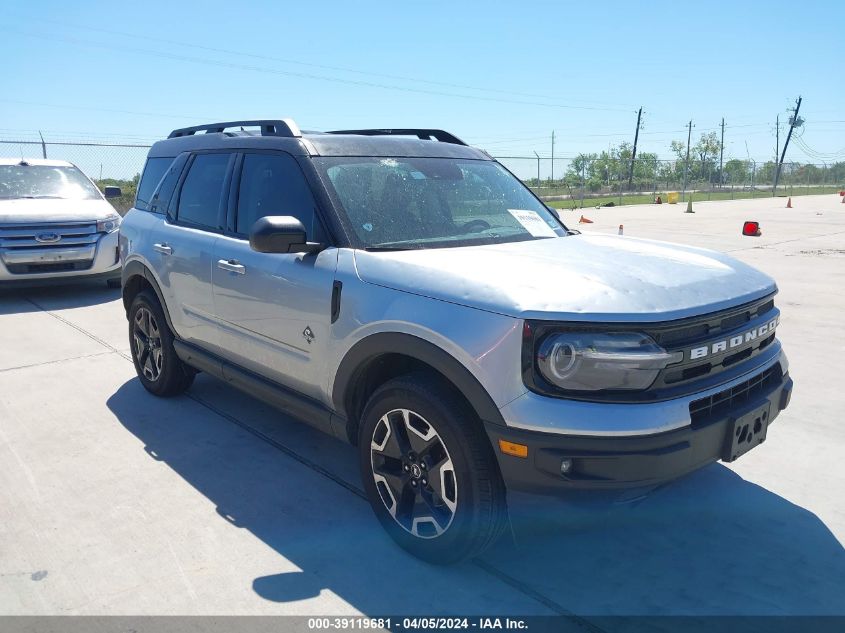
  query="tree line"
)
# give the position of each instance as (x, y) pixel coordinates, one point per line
(609, 170)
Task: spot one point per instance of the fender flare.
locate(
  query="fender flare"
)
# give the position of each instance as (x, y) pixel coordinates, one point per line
(367, 349)
(136, 268)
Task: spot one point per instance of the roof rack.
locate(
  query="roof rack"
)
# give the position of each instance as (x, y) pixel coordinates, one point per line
(424, 134)
(281, 127)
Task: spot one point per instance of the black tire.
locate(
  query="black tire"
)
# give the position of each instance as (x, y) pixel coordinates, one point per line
(470, 488)
(113, 283)
(158, 367)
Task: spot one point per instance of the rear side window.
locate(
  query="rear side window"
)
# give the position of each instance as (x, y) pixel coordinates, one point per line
(164, 193)
(202, 191)
(153, 172)
(273, 184)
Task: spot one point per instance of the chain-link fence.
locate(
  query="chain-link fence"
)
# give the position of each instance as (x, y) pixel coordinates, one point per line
(567, 182)
(580, 182)
(117, 164)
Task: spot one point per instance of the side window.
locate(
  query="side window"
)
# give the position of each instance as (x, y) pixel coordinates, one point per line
(273, 184)
(153, 173)
(202, 191)
(164, 193)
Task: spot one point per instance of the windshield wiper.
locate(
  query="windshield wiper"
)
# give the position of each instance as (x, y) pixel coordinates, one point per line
(42, 197)
(380, 249)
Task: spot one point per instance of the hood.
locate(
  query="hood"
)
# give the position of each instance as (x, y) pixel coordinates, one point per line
(25, 210)
(575, 278)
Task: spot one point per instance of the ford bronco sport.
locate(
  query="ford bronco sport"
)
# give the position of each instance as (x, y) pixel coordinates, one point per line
(406, 293)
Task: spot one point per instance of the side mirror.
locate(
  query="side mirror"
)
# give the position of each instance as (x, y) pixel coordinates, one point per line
(554, 212)
(112, 192)
(280, 234)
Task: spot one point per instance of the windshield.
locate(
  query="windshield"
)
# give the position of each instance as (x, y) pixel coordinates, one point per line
(398, 203)
(43, 181)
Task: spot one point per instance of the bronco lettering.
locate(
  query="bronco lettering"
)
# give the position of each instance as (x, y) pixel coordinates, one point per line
(733, 342)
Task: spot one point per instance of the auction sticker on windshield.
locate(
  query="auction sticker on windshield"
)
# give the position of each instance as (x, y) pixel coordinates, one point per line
(532, 222)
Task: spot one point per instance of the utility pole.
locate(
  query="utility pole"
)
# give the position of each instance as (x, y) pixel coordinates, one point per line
(686, 167)
(538, 169)
(721, 154)
(777, 138)
(634, 152)
(794, 122)
(553, 159)
(583, 176)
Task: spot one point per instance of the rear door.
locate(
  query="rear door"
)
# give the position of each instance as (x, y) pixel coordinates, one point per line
(274, 309)
(183, 253)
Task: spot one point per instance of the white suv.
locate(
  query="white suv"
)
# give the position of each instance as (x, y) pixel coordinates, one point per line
(55, 223)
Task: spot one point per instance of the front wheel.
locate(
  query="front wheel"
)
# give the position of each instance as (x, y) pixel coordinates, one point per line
(158, 367)
(429, 471)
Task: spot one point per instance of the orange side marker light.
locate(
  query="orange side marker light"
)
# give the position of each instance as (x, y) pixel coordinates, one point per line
(512, 448)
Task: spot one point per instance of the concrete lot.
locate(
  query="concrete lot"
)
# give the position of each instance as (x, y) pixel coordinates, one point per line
(114, 502)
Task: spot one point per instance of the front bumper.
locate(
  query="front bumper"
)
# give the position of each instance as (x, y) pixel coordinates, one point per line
(97, 261)
(632, 461)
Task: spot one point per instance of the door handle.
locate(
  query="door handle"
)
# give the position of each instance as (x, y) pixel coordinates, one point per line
(232, 265)
(163, 248)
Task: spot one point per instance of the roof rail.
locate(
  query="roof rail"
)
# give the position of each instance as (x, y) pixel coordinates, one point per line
(425, 134)
(281, 127)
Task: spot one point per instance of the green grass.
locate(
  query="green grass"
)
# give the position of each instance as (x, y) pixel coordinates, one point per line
(698, 196)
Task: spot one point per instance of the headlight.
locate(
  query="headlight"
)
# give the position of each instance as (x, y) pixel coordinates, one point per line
(583, 361)
(108, 225)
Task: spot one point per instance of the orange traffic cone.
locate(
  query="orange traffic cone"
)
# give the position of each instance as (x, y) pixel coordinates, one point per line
(789, 203)
(584, 220)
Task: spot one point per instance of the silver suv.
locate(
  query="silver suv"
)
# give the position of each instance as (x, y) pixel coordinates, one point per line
(55, 224)
(407, 294)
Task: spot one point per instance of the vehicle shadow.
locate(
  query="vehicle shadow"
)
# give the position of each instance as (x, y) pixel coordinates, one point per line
(321, 529)
(711, 543)
(21, 299)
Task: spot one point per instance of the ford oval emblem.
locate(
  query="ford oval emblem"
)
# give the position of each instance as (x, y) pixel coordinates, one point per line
(47, 238)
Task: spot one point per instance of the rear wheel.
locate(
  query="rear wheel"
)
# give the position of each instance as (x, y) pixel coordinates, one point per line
(429, 472)
(158, 367)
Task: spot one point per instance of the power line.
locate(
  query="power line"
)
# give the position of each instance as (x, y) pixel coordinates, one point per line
(302, 75)
(811, 153)
(100, 109)
(346, 69)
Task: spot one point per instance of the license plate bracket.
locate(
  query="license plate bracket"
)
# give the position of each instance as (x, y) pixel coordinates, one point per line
(746, 431)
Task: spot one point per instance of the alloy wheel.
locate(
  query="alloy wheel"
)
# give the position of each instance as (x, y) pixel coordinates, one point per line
(413, 473)
(147, 339)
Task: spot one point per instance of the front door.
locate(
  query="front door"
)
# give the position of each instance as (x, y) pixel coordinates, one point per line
(274, 310)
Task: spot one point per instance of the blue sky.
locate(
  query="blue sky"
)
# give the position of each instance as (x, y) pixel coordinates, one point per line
(502, 75)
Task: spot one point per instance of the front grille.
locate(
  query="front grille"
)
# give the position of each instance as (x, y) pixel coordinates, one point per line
(68, 235)
(48, 247)
(711, 325)
(706, 330)
(707, 409)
